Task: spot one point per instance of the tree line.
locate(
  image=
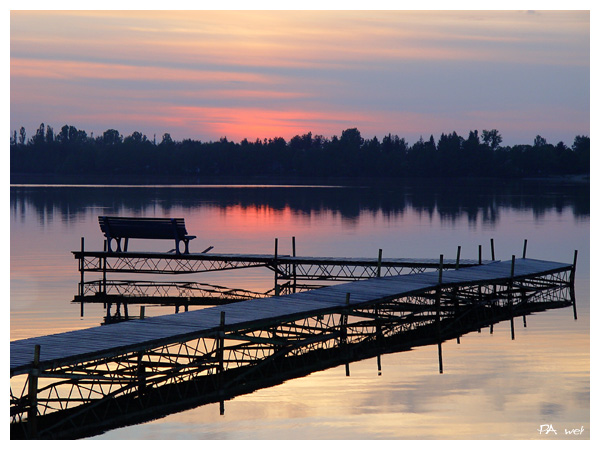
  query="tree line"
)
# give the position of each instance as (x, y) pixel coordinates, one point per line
(72, 151)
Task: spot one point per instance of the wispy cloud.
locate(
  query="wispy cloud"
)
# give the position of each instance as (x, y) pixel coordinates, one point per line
(269, 72)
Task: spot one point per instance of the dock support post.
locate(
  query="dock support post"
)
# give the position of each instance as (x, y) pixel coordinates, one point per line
(456, 309)
(345, 333)
(32, 393)
(524, 248)
(104, 269)
(221, 351)
(492, 245)
(141, 373)
(480, 254)
(378, 338)
(379, 263)
(572, 285)
(523, 305)
(276, 269)
(458, 257)
(81, 267)
(572, 293)
(294, 265)
(510, 295)
(572, 277)
(438, 304)
(438, 307)
(142, 312)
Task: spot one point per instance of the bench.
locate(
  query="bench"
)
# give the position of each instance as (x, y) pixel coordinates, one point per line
(118, 228)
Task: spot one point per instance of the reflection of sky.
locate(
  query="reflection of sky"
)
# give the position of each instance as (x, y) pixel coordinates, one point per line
(208, 74)
(492, 387)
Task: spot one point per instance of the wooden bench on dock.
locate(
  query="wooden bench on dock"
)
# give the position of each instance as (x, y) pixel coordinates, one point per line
(118, 228)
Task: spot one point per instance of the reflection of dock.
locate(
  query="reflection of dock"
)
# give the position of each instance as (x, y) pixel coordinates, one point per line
(75, 382)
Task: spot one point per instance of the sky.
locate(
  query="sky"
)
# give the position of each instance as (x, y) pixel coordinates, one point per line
(264, 74)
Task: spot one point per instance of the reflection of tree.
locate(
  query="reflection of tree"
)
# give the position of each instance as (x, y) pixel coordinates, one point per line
(474, 201)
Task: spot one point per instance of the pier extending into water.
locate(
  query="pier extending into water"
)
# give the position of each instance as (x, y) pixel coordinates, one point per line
(74, 383)
(291, 274)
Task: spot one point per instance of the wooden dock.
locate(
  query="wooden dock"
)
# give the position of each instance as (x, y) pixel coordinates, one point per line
(80, 382)
(99, 342)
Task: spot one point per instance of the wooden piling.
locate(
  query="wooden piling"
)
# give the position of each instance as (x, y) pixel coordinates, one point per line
(456, 309)
(524, 248)
(572, 285)
(438, 307)
(572, 277)
(276, 268)
(378, 338)
(141, 373)
(345, 333)
(512, 325)
(34, 374)
(458, 257)
(103, 262)
(81, 268)
(512, 269)
(510, 295)
(480, 260)
(441, 269)
(221, 350)
(523, 306)
(572, 294)
(492, 245)
(379, 263)
(294, 265)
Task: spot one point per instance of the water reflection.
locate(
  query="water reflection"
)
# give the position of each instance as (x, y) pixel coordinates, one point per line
(170, 378)
(492, 387)
(450, 200)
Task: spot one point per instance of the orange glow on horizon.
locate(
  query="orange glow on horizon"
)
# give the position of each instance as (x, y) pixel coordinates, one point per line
(249, 74)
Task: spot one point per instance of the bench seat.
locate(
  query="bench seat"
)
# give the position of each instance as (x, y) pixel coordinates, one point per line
(126, 228)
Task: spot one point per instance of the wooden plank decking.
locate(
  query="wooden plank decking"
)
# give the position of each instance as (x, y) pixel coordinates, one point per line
(97, 342)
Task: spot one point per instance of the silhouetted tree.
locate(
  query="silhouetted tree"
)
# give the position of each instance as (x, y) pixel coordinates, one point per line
(71, 151)
(491, 138)
(581, 147)
(539, 141)
(111, 138)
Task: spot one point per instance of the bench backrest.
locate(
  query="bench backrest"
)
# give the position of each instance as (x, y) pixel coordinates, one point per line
(142, 228)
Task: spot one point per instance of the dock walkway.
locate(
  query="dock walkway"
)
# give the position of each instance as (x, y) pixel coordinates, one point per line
(106, 341)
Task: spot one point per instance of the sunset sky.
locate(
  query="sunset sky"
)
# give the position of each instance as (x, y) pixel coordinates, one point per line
(263, 74)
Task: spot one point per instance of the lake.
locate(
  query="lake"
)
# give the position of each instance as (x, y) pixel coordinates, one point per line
(492, 387)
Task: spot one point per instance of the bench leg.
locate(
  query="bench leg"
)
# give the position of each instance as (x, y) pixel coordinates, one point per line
(187, 249)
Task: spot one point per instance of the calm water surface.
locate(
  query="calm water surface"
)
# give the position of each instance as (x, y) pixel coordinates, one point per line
(492, 387)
